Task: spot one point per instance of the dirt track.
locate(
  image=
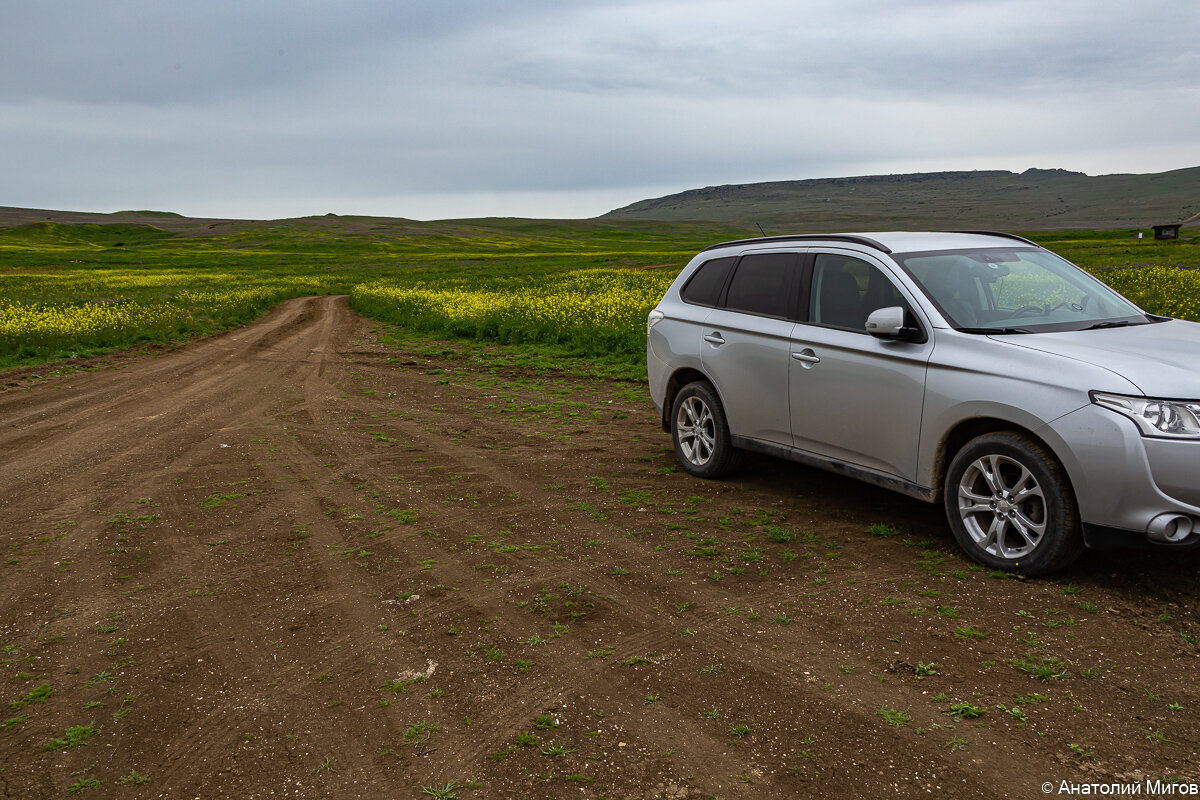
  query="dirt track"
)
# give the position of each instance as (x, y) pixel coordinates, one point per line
(289, 561)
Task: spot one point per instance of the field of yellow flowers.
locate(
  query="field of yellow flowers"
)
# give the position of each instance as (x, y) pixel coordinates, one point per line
(48, 315)
(594, 311)
(64, 292)
(599, 311)
(70, 290)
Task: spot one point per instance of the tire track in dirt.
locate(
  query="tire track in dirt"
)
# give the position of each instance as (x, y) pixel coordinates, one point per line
(317, 438)
(177, 422)
(465, 522)
(474, 463)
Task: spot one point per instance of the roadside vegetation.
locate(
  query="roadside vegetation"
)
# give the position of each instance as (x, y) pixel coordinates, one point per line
(68, 290)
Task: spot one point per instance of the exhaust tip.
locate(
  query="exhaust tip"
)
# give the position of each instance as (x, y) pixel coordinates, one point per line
(1169, 528)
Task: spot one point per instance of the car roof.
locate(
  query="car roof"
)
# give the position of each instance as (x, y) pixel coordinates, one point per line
(891, 241)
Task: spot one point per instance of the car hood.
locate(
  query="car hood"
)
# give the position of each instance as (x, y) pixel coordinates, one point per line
(1161, 359)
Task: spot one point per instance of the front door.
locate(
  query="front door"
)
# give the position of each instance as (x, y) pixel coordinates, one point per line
(855, 398)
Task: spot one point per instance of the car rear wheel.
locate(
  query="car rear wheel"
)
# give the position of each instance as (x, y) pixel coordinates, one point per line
(700, 432)
(1010, 505)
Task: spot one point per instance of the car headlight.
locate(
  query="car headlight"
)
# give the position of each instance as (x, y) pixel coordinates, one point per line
(654, 318)
(1165, 419)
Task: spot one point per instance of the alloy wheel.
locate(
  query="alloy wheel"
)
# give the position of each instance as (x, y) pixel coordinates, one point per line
(1002, 506)
(696, 430)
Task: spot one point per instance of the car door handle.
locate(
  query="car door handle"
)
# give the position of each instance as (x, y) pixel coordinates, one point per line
(715, 338)
(807, 356)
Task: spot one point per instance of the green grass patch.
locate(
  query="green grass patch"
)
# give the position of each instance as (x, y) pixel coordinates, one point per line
(75, 736)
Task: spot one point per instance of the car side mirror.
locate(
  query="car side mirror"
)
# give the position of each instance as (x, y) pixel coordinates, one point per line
(888, 323)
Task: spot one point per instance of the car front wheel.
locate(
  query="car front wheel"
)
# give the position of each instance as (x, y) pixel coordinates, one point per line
(700, 432)
(1010, 505)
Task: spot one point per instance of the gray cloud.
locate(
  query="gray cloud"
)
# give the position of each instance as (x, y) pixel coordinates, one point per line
(239, 108)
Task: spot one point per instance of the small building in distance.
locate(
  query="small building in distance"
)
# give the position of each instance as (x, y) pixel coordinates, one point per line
(1166, 231)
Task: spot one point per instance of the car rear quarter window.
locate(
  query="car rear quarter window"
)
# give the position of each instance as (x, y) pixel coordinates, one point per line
(705, 285)
(761, 284)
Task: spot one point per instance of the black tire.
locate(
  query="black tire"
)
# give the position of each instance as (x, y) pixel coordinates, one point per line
(700, 432)
(1010, 505)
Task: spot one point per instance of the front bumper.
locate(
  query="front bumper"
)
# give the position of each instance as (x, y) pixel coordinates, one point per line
(1123, 481)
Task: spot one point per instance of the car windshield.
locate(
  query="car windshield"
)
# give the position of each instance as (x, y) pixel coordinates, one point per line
(1022, 290)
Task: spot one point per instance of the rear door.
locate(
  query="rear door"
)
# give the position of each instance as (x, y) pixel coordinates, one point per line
(747, 344)
(856, 398)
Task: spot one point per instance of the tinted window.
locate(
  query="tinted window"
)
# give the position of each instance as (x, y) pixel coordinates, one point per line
(760, 284)
(704, 287)
(846, 290)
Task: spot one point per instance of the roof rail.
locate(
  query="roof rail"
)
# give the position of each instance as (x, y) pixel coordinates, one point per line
(801, 237)
(1001, 235)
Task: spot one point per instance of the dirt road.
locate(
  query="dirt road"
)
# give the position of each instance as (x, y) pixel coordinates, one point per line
(291, 561)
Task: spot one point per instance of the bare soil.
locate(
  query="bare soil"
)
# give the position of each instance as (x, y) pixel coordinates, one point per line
(292, 560)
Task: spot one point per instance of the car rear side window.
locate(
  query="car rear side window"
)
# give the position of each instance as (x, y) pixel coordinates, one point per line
(704, 287)
(761, 284)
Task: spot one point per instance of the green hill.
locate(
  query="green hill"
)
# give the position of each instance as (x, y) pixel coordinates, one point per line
(1036, 199)
(82, 234)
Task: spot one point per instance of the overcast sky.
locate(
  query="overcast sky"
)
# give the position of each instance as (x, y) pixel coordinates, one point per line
(559, 108)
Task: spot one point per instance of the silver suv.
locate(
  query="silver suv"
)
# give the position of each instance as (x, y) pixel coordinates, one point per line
(979, 370)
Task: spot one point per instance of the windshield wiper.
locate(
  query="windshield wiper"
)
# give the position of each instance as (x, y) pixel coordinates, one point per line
(1118, 323)
(993, 330)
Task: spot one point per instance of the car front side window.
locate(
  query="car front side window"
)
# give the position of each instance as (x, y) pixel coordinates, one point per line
(845, 290)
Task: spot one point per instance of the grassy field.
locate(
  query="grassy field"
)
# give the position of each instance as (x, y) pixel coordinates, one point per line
(582, 286)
